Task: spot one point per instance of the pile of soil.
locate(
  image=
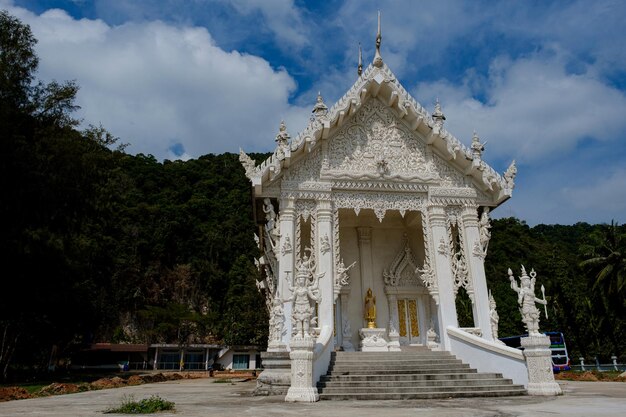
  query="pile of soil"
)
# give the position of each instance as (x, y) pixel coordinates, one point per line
(56, 388)
(589, 376)
(59, 388)
(234, 374)
(13, 393)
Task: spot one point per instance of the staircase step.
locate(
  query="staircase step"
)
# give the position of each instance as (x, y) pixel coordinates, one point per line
(376, 384)
(403, 361)
(397, 371)
(413, 389)
(410, 377)
(425, 395)
(414, 373)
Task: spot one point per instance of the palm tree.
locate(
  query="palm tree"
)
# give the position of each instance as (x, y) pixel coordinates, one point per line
(605, 261)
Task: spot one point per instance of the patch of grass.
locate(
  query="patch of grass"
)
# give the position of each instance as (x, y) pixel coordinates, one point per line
(153, 404)
(33, 388)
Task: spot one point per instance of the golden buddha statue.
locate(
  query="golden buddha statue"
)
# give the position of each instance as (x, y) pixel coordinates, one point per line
(370, 309)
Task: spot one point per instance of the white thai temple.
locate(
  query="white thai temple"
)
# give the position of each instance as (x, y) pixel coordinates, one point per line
(376, 194)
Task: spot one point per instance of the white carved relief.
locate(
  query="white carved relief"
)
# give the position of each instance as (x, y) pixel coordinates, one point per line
(286, 248)
(379, 202)
(463, 192)
(298, 240)
(374, 144)
(366, 185)
(317, 185)
(427, 272)
(403, 271)
(336, 245)
(458, 261)
(443, 247)
(248, 164)
(276, 323)
(448, 176)
(305, 208)
(480, 246)
(342, 278)
(306, 169)
(314, 232)
(324, 244)
(509, 176)
(477, 250)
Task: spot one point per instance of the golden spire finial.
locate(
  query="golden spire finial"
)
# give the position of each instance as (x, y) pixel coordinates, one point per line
(360, 66)
(378, 59)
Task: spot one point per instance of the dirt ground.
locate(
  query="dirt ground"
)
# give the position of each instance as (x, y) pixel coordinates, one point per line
(589, 376)
(56, 388)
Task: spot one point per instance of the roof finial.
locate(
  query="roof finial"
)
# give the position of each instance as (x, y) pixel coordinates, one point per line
(320, 108)
(360, 66)
(282, 138)
(438, 115)
(378, 59)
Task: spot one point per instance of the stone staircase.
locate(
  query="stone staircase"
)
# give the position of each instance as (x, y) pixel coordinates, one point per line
(417, 373)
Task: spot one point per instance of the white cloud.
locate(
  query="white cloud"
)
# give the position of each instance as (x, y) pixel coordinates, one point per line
(604, 194)
(281, 16)
(155, 85)
(533, 108)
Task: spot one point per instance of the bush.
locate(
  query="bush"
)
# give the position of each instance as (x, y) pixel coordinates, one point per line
(149, 405)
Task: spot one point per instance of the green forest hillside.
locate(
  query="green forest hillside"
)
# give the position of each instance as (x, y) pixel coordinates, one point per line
(99, 245)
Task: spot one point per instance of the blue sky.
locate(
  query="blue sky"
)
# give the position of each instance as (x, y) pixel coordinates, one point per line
(542, 82)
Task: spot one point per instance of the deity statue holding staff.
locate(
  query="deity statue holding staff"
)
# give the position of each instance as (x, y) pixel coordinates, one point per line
(526, 299)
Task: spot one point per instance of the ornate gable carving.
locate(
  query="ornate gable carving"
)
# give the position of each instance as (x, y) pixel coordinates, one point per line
(375, 144)
(306, 169)
(403, 271)
(448, 176)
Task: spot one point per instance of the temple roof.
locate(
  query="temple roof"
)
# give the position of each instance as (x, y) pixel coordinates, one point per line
(378, 81)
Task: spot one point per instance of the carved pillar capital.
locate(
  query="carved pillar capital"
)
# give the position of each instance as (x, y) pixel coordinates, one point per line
(365, 234)
(469, 215)
(436, 215)
(324, 210)
(287, 208)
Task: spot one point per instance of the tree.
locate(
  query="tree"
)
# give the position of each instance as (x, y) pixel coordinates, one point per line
(18, 62)
(605, 260)
(54, 181)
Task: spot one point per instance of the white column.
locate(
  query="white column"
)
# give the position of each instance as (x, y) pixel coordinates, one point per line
(394, 335)
(476, 266)
(286, 265)
(365, 261)
(324, 258)
(446, 307)
(346, 328)
(155, 365)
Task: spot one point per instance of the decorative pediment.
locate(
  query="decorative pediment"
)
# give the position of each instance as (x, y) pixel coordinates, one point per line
(378, 132)
(403, 270)
(375, 144)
